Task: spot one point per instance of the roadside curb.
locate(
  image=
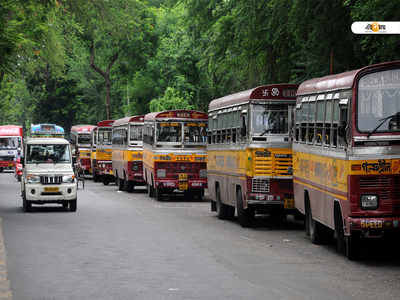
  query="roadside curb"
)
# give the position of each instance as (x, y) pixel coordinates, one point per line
(5, 289)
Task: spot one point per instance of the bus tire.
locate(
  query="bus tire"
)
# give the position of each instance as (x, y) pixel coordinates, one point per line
(106, 181)
(158, 193)
(224, 212)
(120, 184)
(131, 186)
(353, 246)
(150, 191)
(339, 230)
(72, 205)
(1, 170)
(245, 216)
(316, 229)
(213, 206)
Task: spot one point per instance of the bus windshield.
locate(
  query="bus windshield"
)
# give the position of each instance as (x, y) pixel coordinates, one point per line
(58, 153)
(169, 132)
(378, 102)
(269, 119)
(104, 136)
(84, 139)
(195, 132)
(7, 143)
(136, 133)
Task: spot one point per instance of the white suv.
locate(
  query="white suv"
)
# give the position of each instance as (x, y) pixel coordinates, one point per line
(48, 175)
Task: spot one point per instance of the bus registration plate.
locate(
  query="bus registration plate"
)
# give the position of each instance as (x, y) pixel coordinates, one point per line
(183, 186)
(288, 203)
(51, 189)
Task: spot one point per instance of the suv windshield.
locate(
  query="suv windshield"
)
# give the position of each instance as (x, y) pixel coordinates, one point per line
(9, 143)
(48, 153)
(378, 102)
(105, 135)
(270, 118)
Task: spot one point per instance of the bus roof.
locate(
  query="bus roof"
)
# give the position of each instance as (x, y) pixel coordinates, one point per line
(264, 92)
(340, 81)
(131, 119)
(176, 114)
(11, 130)
(105, 123)
(48, 141)
(82, 128)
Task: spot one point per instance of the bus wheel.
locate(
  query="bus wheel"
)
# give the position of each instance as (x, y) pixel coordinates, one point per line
(223, 211)
(316, 229)
(1, 170)
(150, 191)
(158, 193)
(245, 216)
(130, 186)
(353, 246)
(120, 184)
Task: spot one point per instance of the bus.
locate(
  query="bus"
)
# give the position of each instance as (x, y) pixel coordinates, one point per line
(103, 165)
(10, 146)
(347, 156)
(174, 153)
(249, 153)
(93, 145)
(48, 175)
(81, 144)
(127, 152)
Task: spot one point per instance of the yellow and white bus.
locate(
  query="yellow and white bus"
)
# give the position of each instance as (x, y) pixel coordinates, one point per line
(249, 153)
(127, 152)
(347, 156)
(103, 170)
(174, 153)
(80, 138)
(93, 146)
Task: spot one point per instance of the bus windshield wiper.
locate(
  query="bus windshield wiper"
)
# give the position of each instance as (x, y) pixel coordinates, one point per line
(383, 122)
(265, 131)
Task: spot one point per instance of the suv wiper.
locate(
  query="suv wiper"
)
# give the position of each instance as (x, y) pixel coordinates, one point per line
(383, 122)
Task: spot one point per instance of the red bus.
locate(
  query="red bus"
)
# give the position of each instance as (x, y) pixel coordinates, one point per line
(103, 170)
(174, 152)
(127, 152)
(81, 140)
(347, 156)
(10, 146)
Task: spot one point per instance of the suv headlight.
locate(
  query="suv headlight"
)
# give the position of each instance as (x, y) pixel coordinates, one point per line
(69, 179)
(369, 201)
(203, 173)
(161, 173)
(32, 178)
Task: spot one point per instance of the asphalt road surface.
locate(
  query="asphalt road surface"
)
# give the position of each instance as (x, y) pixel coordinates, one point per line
(127, 246)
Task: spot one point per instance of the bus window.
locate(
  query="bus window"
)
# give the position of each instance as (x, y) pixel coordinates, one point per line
(169, 132)
(195, 132)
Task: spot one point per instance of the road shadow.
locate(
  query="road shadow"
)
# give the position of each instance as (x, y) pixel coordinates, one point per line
(46, 209)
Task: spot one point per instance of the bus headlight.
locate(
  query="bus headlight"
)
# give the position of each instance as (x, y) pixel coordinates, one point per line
(203, 173)
(369, 201)
(161, 173)
(68, 179)
(32, 178)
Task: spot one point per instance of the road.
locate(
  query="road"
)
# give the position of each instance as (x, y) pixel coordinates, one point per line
(126, 246)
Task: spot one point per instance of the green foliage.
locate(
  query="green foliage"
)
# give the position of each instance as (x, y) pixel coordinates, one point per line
(171, 99)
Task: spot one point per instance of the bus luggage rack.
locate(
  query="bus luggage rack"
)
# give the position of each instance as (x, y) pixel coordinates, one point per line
(50, 179)
(260, 185)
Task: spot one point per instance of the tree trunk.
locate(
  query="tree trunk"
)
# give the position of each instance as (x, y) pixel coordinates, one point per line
(106, 76)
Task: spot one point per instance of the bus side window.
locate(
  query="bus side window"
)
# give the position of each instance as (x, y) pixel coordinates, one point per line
(233, 135)
(243, 129)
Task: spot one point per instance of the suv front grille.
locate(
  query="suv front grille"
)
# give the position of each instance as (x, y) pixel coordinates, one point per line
(50, 179)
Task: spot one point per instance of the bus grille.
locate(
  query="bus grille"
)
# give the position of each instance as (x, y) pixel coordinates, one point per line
(260, 185)
(50, 179)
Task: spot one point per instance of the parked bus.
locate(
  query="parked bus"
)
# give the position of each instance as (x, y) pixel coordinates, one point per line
(93, 146)
(347, 155)
(249, 153)
(48, 175)
(103, 166)
(174, 152)
(127, 152)
(10, 146)
(81, 144)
